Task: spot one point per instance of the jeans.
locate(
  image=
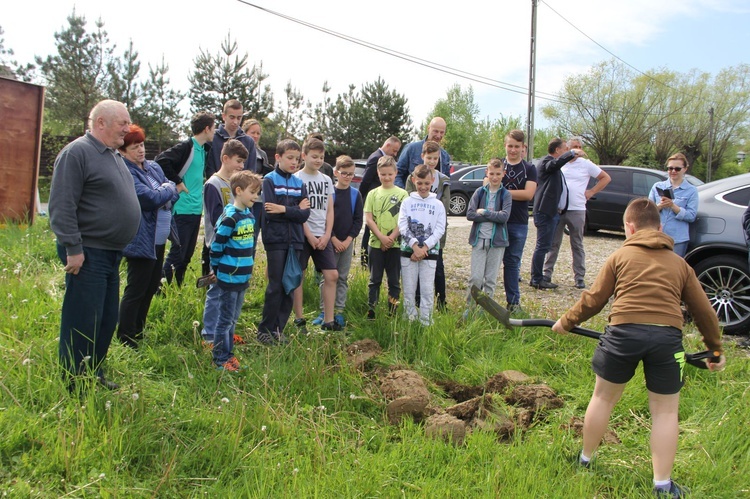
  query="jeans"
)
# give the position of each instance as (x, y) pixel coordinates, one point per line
(485, 264)
(390, 263)
(517, 234)
(422, 273)
(179, 257)
(89, 310)
(576, 222)
(144, 276)
(681, 248)
(230, 307)
(211, 313)
(545, 231)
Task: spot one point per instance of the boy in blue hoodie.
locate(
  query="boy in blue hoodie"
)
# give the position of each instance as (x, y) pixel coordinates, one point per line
(489, 210)
(287, 209)
(232, 263)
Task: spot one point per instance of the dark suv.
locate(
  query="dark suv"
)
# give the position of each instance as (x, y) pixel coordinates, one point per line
(718, 252)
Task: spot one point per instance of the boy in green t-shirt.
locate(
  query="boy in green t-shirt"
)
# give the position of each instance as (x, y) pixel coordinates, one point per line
(381, 216)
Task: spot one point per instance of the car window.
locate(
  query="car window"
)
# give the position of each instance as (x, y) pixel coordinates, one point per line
(643, 182)
(477, 174)
(739, 197)
(620, 182)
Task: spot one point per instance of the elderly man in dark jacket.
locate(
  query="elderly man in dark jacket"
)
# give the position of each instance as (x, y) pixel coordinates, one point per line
(550, 200)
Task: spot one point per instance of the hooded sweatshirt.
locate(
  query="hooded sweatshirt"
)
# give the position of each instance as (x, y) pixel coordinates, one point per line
(648, 281)
(421, 220)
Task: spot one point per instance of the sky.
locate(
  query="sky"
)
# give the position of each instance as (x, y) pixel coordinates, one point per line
(488, 39)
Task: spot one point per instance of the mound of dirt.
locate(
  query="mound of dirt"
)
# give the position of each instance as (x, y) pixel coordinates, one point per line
(459, 392)
(534, 397)
(402, 406)
(501, 381)
(447, 427)
(404, 383)
(503, 426)
(475, 408)
(361, 351)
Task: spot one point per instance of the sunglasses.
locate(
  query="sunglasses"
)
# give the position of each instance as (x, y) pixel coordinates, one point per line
(674, 168)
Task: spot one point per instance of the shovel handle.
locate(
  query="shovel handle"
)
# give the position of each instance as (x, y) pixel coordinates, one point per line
(694, 359)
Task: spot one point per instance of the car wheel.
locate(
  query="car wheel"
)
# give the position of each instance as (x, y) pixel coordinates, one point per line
(726, 281)
(459, 203)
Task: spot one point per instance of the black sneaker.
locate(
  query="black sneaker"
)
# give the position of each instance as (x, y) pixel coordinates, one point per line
(371, 315)
(580, 284)
(674, 491)
(331, 326)
(542, 285)
(266, 338)
(109, 385)
(301, 325)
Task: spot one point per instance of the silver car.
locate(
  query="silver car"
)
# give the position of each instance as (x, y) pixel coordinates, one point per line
(718, 252)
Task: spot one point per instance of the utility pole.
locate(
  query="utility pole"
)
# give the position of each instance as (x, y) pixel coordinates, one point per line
(710, 142)
(532, 86)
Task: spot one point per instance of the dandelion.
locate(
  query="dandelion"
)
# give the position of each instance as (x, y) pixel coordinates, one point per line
(224, 400)
(352, 396)
(136, 396)
(263, 428)
(163, 280)
(196, 323)
(295, 471)
(101, 476)
(14, 317)
(321, 408)
(26, 362)
(25, 300)
(108, 405)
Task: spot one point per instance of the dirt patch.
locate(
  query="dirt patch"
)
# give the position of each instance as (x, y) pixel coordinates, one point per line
(407, 393)
(503, 426)
(447, 427)
(534, 397)
(359, 352)
(576, 425)
(501, 381)
(459, 392)
(477, 407)
(406, 406)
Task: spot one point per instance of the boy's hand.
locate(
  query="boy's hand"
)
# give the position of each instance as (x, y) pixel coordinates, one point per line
(181, 188)
(385, 242)
(558, 327)
(323, 242)
(481, 211)
(717, 366)
(304, 204)
(338, 246)
(275, 209)
(418, 253)
(313, 241)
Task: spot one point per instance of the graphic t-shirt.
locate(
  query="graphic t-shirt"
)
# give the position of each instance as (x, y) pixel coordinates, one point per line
(319, 190)
(384, 204)
(515, 179)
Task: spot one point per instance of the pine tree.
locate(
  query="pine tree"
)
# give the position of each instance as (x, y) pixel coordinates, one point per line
(159, 112)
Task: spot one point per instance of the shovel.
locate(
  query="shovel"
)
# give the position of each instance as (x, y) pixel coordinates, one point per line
(503, 316)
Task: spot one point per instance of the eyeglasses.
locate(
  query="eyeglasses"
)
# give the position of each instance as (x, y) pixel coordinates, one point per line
(674, 168)
(346, 174)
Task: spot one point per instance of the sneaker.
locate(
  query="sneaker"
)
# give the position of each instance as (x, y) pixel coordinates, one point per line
(266, 338)
(675, 491)
(239, 340)
(109, 385)
(515, 309)
(318, 320)
(332, 326)
(280, 338)
(301, 325)
(580, 284)
(370, 315)
(339, 319)
(542, 285)
(231, 365)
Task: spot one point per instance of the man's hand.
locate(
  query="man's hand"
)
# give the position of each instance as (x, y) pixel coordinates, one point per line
(275, 209)
(74, 263)
(717, 366)
(558, 327)
(181, 188)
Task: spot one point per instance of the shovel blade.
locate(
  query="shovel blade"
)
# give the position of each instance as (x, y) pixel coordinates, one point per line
(492, 307)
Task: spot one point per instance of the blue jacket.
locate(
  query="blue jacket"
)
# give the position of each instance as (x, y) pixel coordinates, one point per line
(411, 156)
(151, 201)
(497, 215)
(677, 225)
(280, 230)
(233, 248)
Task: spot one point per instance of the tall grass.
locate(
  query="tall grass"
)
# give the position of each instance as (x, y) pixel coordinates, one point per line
(299, 421)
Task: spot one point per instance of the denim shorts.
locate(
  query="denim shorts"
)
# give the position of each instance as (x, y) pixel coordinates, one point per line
(622, 347)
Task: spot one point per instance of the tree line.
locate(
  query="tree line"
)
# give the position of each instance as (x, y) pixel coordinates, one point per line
(624, 116)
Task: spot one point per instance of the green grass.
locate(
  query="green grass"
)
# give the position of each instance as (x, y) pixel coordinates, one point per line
(300, 422)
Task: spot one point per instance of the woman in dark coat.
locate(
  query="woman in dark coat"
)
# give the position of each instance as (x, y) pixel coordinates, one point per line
(145, 253)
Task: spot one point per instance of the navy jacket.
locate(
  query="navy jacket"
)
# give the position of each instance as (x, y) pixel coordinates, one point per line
(280, 230)
(213, 157)
(550, 187)
(151, 201)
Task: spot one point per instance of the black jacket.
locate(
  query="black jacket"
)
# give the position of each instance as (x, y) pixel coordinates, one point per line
(177, 159)
(550, 184)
